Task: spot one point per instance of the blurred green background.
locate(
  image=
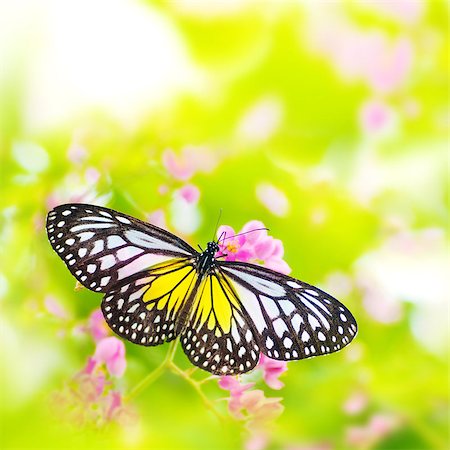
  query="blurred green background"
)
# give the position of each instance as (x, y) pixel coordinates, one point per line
(328, 121)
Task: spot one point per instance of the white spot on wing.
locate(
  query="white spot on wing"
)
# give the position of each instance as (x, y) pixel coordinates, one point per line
(145, 240)
(85, 236)
(88, 226)
(98, 247)
(265, 286)
(128, 252)
(123, 219)
(115, 241)
(107, 262)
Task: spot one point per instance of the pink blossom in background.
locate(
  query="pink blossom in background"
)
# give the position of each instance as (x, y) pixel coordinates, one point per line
(113, 404)
(78, 188)
(111, 351)
(375, 116)
(256, 247)
(158, 218)
(356, 403)
(262, 120)
(257, 441)
(190, 160)
(97, 326)
(91, 382)
(92, 175)
(163, 189)
(405, 11)
(178, 166)
(90, 399)
(366, 436)
(55, 308)
(273, 199)
(372, 56)
(76, 153)
(190, 193)
(391, 65)
(272, 369)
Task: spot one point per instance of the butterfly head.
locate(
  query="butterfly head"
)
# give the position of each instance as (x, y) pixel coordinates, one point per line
(212, 247)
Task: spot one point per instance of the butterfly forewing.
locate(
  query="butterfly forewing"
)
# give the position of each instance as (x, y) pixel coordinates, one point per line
(102, 247)
(146, 308)
(291, 319)
(218, 337)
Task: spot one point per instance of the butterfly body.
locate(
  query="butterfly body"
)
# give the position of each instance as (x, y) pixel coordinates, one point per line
(157, 288)
(206, 259)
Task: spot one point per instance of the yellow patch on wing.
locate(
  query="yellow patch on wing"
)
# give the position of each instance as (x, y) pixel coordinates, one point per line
(170, 285)
(214, 304)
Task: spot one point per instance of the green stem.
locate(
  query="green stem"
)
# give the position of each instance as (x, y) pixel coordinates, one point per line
(155, 374)
(196, 386)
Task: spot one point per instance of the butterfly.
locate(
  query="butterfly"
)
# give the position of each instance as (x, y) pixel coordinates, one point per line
(157, 288)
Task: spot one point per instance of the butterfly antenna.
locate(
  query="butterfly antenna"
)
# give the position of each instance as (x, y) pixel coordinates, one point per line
(245, 232)
(217, 225)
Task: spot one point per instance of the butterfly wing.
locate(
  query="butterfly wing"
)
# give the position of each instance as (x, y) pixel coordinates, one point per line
(146, 309)
(102, 247)
(290, 319)
(243, 309)
(219, 335)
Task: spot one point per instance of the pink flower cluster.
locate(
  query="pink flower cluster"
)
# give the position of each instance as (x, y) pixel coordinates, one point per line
(254, 246)
(89, 398)
(372, 56)
(272, 369)
(367, 436)
(250, 405)
(190, 160)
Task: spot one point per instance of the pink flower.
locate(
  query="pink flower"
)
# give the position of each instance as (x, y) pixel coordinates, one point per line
(355, 403)
(111, 351)
(163, 189)
(190, 193)
(158, 218)
(253, 406)
(177, 166)
(92, 175)
(236, 389)
(273, 199)
(114, 403)
(76, 153)
(390, 64)
(370, 56)
(375, 116)
(378, 427)
(97, 325)
(54, 307)
(406, 11)
(254, 246)
(233, 247)
(91, 382)
(259, 408)
(190, 160)
(261, 121)
(272, 369)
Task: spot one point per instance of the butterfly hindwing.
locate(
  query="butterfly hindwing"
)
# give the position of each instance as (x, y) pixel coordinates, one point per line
(146, 308)
(291, 319)
(218, 337)
(102, 247)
